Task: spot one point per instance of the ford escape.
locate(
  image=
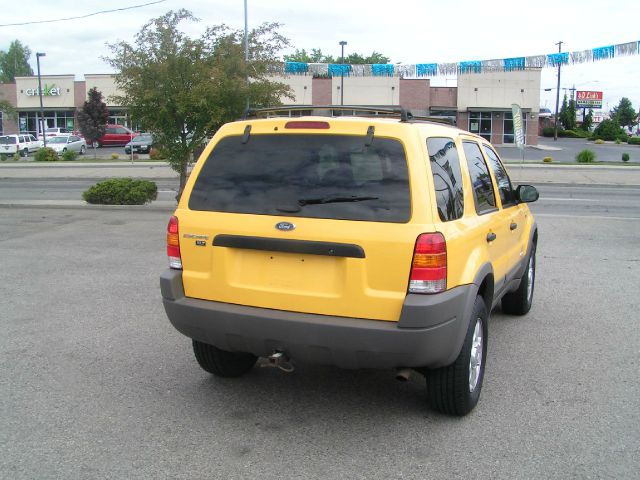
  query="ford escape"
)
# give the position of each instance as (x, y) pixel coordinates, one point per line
(370, 241)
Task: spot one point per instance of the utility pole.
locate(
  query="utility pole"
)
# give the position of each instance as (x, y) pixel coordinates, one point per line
(42, 121)
(246, 46)
(555, 128)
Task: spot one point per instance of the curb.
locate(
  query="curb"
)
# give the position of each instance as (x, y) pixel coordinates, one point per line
(78, 205)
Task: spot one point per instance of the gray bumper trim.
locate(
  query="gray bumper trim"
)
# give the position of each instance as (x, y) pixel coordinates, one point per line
(322, 339)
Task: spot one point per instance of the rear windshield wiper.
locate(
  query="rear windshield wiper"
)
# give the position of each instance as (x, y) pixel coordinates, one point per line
(333, 199)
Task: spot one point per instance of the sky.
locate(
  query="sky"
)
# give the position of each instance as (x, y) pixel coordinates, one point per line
(406, 31)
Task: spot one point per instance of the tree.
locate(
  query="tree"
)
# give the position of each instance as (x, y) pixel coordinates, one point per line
(183, 89)
(316, 56)
(15, 62)
(93, 117)
(608, 130)
(624, 113)
(567, 115)
(587, 121)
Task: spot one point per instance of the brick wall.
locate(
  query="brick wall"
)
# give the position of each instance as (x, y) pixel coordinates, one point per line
(415, 94)
(8, 93)
(444, 97)
(321, 91)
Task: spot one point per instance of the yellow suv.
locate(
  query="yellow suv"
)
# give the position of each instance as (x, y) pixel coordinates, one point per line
(377, 240)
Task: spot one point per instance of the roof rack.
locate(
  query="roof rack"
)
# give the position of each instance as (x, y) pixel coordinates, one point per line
(356, 110)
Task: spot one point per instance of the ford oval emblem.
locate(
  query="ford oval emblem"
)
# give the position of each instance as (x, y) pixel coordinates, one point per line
(285, 226)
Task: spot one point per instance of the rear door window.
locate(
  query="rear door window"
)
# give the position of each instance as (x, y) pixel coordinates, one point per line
(447, 179)
(507, 195)
(306, 175)
(480, 180)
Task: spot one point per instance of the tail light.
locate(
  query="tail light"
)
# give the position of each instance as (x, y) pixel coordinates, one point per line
(429, 266)
(173, 244)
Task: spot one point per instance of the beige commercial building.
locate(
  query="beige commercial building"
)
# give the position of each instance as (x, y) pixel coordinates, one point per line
(480, 103)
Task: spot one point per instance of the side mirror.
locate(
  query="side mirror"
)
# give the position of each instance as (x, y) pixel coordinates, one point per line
(527, 193)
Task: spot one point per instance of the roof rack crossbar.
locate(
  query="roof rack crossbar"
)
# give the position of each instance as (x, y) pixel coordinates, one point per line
(404, 114)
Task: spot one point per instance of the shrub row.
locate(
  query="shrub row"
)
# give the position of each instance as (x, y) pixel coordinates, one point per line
(121, 191)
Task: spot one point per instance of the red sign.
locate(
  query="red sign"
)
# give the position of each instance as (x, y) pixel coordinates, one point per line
(585, 98)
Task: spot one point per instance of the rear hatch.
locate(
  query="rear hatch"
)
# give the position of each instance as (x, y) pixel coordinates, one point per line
(301, 220)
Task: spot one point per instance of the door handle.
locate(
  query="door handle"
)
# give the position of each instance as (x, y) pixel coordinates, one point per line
(513, 225)
(491, 237)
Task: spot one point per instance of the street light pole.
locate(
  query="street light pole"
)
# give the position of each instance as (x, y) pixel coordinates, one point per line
(42, 129)
(342, 44)
(555, 128)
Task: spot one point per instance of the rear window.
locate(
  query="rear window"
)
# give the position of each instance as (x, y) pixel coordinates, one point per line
(317, 176)
(8, 140)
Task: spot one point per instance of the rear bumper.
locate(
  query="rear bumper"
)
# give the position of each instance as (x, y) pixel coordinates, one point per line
(429, 334)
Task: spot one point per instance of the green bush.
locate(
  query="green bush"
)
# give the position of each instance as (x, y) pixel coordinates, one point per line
(599, 141)
(3, 158)
(548, 132)
(573, 134)
(547, 159)
(622, 138)
(121, 191)
(69, 155)
(115, 156)
(617, 142)
(608, 130)
(625, 157)
(586, 156)
(155, 154)
(16, 157)
(634, 141)
(46, 155)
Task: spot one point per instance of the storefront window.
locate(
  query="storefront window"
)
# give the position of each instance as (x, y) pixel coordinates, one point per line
(28, 121)
(508, 136)
(480, 124)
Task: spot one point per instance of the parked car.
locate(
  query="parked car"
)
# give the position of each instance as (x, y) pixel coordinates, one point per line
(53, 132)
(21, 143)
(142, 144)
(115, 135)
(63, 143)
(360, 242)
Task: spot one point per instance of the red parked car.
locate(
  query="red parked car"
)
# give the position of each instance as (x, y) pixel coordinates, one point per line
(116, 135)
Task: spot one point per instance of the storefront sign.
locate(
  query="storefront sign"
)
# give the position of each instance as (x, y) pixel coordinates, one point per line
(47, 91)
(518, 128)
(588, 99)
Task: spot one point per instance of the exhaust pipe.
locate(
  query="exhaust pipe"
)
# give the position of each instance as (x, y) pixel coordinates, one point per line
(279, 360)
(403, 374)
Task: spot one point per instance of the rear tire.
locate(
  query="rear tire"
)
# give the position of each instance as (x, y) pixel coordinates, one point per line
(519, 302)
(223, 363)
(25, 152)
(82, 149)
(455, 389)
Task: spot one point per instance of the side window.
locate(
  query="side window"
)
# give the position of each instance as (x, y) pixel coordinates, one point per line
(32, 138)
(111, 131)
(447, 179)
(121, 131)
(502, 179)
(480, 178)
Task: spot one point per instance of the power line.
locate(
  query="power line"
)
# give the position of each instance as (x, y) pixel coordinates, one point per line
(81, 16)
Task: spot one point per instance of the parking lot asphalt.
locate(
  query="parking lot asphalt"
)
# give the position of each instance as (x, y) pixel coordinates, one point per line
(97, 384)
